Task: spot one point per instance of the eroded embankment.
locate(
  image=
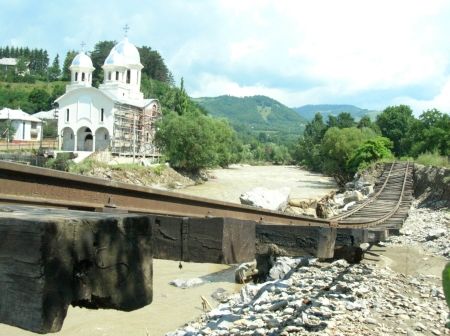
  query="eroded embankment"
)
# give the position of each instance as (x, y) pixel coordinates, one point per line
(432, 186)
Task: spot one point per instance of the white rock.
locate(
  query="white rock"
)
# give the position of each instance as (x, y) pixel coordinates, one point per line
(370, 320)
(276, 200)
(180, 283)
(353, 196)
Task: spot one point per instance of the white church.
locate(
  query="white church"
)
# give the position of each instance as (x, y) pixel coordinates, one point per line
(115, 117)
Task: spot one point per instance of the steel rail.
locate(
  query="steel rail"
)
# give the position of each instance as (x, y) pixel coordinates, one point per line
(40, 186)
(368, 201)
(45, 187)
(379, 220)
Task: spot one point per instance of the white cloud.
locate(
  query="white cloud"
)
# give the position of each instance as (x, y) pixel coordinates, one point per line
(296, 51)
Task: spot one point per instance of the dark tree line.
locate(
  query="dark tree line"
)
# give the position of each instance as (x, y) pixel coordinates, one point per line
(34, 64)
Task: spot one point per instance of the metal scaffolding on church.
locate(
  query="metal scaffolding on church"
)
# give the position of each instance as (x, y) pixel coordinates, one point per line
(134, 131)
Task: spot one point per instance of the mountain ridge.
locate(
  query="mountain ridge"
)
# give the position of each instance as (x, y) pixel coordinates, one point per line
(258, 112)
(308, 111)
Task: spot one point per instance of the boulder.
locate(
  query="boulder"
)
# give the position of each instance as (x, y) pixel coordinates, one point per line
(353, 196)
(435, 234)
(302, 203)
(366, 191)
(325, 210)
(245, 272)
(338, 199)
(276, 200)
(301, 211)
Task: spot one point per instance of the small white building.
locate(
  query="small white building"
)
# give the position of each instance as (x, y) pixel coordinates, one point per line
(114, 117)
(27, 127)
(46, 115)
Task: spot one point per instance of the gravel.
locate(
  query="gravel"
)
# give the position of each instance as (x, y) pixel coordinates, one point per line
(426, 228)
(308, 297)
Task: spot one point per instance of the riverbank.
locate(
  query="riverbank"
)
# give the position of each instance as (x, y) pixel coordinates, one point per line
(395, 290)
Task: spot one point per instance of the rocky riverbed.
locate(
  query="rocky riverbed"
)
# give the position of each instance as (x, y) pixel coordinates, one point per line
(306, 297)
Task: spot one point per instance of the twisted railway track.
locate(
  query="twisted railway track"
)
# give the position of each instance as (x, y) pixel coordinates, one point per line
(22, 184)
(389, 205)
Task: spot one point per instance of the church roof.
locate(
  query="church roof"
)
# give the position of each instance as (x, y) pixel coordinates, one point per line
(11, 114)
(82, 60)
(124, 54)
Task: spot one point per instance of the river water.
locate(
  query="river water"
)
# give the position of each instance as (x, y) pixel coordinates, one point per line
(172, 307)
(228, 184)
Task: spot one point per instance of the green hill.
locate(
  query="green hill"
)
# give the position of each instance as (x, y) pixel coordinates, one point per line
(308, 111)
(259, 113)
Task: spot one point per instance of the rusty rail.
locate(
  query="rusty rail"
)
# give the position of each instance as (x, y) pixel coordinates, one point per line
(45, 187)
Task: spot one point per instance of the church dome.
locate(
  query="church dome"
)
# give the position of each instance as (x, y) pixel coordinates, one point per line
(82, 60)
(123, 54)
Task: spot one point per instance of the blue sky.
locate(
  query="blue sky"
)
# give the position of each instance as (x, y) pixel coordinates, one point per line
(368, 53)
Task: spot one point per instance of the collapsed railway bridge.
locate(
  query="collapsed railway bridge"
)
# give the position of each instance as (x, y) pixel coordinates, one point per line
(101, 257)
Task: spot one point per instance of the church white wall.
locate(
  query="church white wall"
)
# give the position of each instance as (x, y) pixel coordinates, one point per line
(85, 110)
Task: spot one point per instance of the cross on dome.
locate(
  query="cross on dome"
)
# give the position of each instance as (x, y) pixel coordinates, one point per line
(126, 28)
(82, 46)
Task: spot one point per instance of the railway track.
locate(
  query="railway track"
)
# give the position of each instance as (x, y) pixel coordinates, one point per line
(22, 184)
(389, 205)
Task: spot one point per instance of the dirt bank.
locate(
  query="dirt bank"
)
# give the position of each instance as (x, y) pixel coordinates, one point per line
(432, 186)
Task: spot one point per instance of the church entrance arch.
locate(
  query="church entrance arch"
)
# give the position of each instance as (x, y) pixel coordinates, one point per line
(85, 139)
(68, 139)
(101, 139)
(88, 143)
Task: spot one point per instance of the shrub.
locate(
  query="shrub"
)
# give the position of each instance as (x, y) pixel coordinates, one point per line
(63, 162)
(370, 151)
(433, 159)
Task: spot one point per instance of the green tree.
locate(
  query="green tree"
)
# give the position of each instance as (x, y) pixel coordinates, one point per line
(345, 120)
(67, 62)
(370, 151)
(430, 133)
(50, 129)
(308, 151)
(40, 100)
(54, 72)
(193, 141)
(181, 101)
(394, 123)
(332, 121)
(338, 145)
(154, 66)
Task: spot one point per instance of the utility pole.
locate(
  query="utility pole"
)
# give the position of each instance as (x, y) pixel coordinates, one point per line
(8, 127)
(134, 134)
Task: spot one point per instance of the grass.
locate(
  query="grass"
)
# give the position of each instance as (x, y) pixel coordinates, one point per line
(433, 159)
(86, 166)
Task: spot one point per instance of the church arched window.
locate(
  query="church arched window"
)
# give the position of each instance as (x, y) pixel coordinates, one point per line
(117, 75)
(76, 76)
(128, 76)
(83, 76)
